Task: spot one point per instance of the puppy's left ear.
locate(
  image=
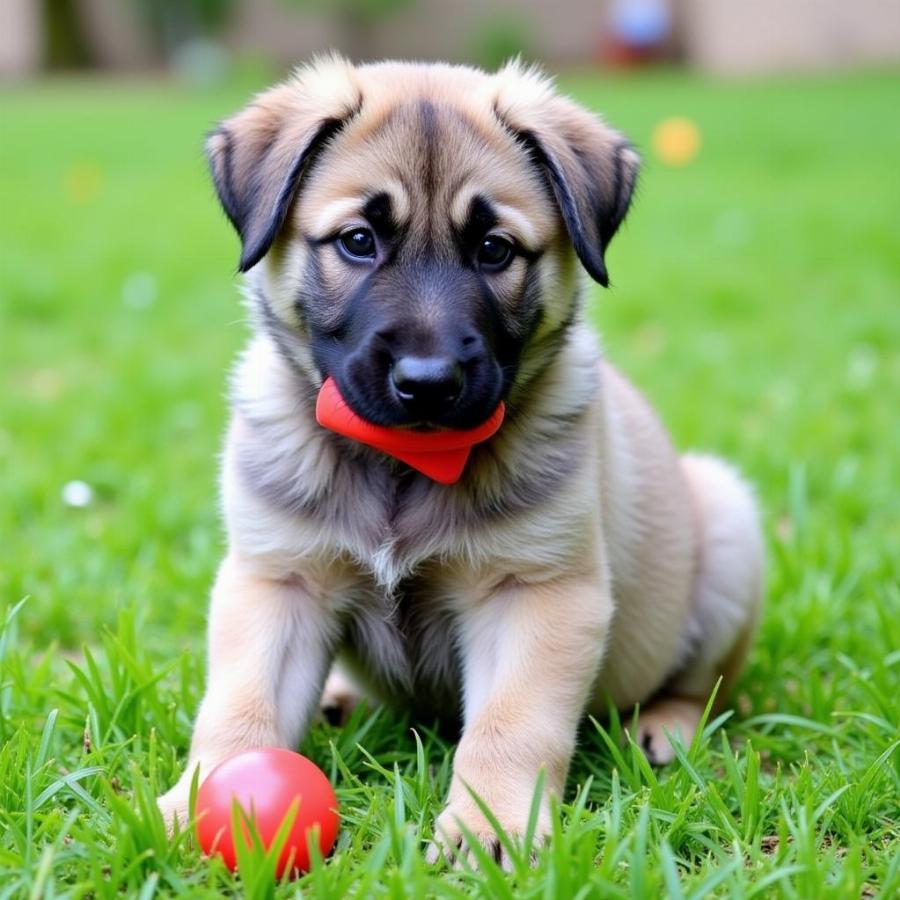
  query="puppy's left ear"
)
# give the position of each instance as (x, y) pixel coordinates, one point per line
(592, 169)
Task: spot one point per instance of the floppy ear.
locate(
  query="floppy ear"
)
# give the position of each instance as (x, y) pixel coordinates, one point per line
(591, 169)
(258, 156)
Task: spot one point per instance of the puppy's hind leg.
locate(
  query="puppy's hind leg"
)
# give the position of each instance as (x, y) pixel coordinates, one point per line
(341, 695)
(727, 599)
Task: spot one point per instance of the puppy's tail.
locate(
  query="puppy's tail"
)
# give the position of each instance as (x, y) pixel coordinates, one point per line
(730, 572)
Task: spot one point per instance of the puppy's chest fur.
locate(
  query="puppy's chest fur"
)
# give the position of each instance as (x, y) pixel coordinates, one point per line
(398, 556)
(403, 644)
(329, 501)
(366, 546)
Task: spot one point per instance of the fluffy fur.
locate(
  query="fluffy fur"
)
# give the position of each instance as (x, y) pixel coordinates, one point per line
(578, 545)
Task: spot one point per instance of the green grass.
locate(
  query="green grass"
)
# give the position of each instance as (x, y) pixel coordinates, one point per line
(756, 301)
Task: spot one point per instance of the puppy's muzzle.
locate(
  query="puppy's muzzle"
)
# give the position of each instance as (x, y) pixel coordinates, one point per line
(442, 374)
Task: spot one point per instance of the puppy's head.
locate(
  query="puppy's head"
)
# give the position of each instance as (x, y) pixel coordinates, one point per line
(413, 230)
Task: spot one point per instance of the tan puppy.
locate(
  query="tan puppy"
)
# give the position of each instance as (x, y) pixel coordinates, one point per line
(414, 232)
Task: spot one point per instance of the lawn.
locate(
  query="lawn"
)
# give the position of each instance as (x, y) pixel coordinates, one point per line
(756, 300)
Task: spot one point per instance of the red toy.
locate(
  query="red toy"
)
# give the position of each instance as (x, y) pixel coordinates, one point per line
(265, 783)
(441, 455)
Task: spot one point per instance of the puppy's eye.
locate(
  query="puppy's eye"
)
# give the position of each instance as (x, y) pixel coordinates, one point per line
(495, 253)
(357, 243)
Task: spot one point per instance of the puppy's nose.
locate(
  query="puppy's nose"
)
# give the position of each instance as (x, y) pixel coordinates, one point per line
(423, 381)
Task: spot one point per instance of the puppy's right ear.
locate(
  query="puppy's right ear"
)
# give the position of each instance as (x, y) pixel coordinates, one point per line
(590, 168)
(258, 156)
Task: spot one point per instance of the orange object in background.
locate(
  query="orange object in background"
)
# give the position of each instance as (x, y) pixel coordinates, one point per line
(676, 141)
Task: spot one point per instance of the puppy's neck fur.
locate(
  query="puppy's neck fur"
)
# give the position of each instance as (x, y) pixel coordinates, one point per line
(362, 504)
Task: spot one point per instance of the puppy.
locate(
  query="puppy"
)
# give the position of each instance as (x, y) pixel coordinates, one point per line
(437, 220)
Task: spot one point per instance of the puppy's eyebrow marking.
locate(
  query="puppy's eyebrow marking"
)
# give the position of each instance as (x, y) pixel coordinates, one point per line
(475, 212)
(378, 210)
(480, 219)
(350, 210)
(510, 218)
(335, 215)
(482, 216)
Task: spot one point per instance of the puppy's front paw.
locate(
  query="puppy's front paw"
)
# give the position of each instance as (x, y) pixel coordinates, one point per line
(451, 842)
(174, 806)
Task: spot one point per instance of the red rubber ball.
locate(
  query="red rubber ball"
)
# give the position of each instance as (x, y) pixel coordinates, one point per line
(265, 783)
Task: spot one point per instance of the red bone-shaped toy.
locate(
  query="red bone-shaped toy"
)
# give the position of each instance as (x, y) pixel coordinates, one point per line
(441, 455)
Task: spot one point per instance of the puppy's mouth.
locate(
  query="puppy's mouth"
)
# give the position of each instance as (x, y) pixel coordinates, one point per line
(439, 453)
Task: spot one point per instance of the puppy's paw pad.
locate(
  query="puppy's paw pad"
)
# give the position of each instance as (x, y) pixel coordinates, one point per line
(678, 718)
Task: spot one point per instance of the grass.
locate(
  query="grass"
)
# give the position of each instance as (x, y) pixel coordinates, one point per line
(756, 301)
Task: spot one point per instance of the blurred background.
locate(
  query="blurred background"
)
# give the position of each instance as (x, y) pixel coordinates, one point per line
(756, 283)
(199, 38)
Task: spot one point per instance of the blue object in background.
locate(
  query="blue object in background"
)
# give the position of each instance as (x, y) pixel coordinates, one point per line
(640, 23)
